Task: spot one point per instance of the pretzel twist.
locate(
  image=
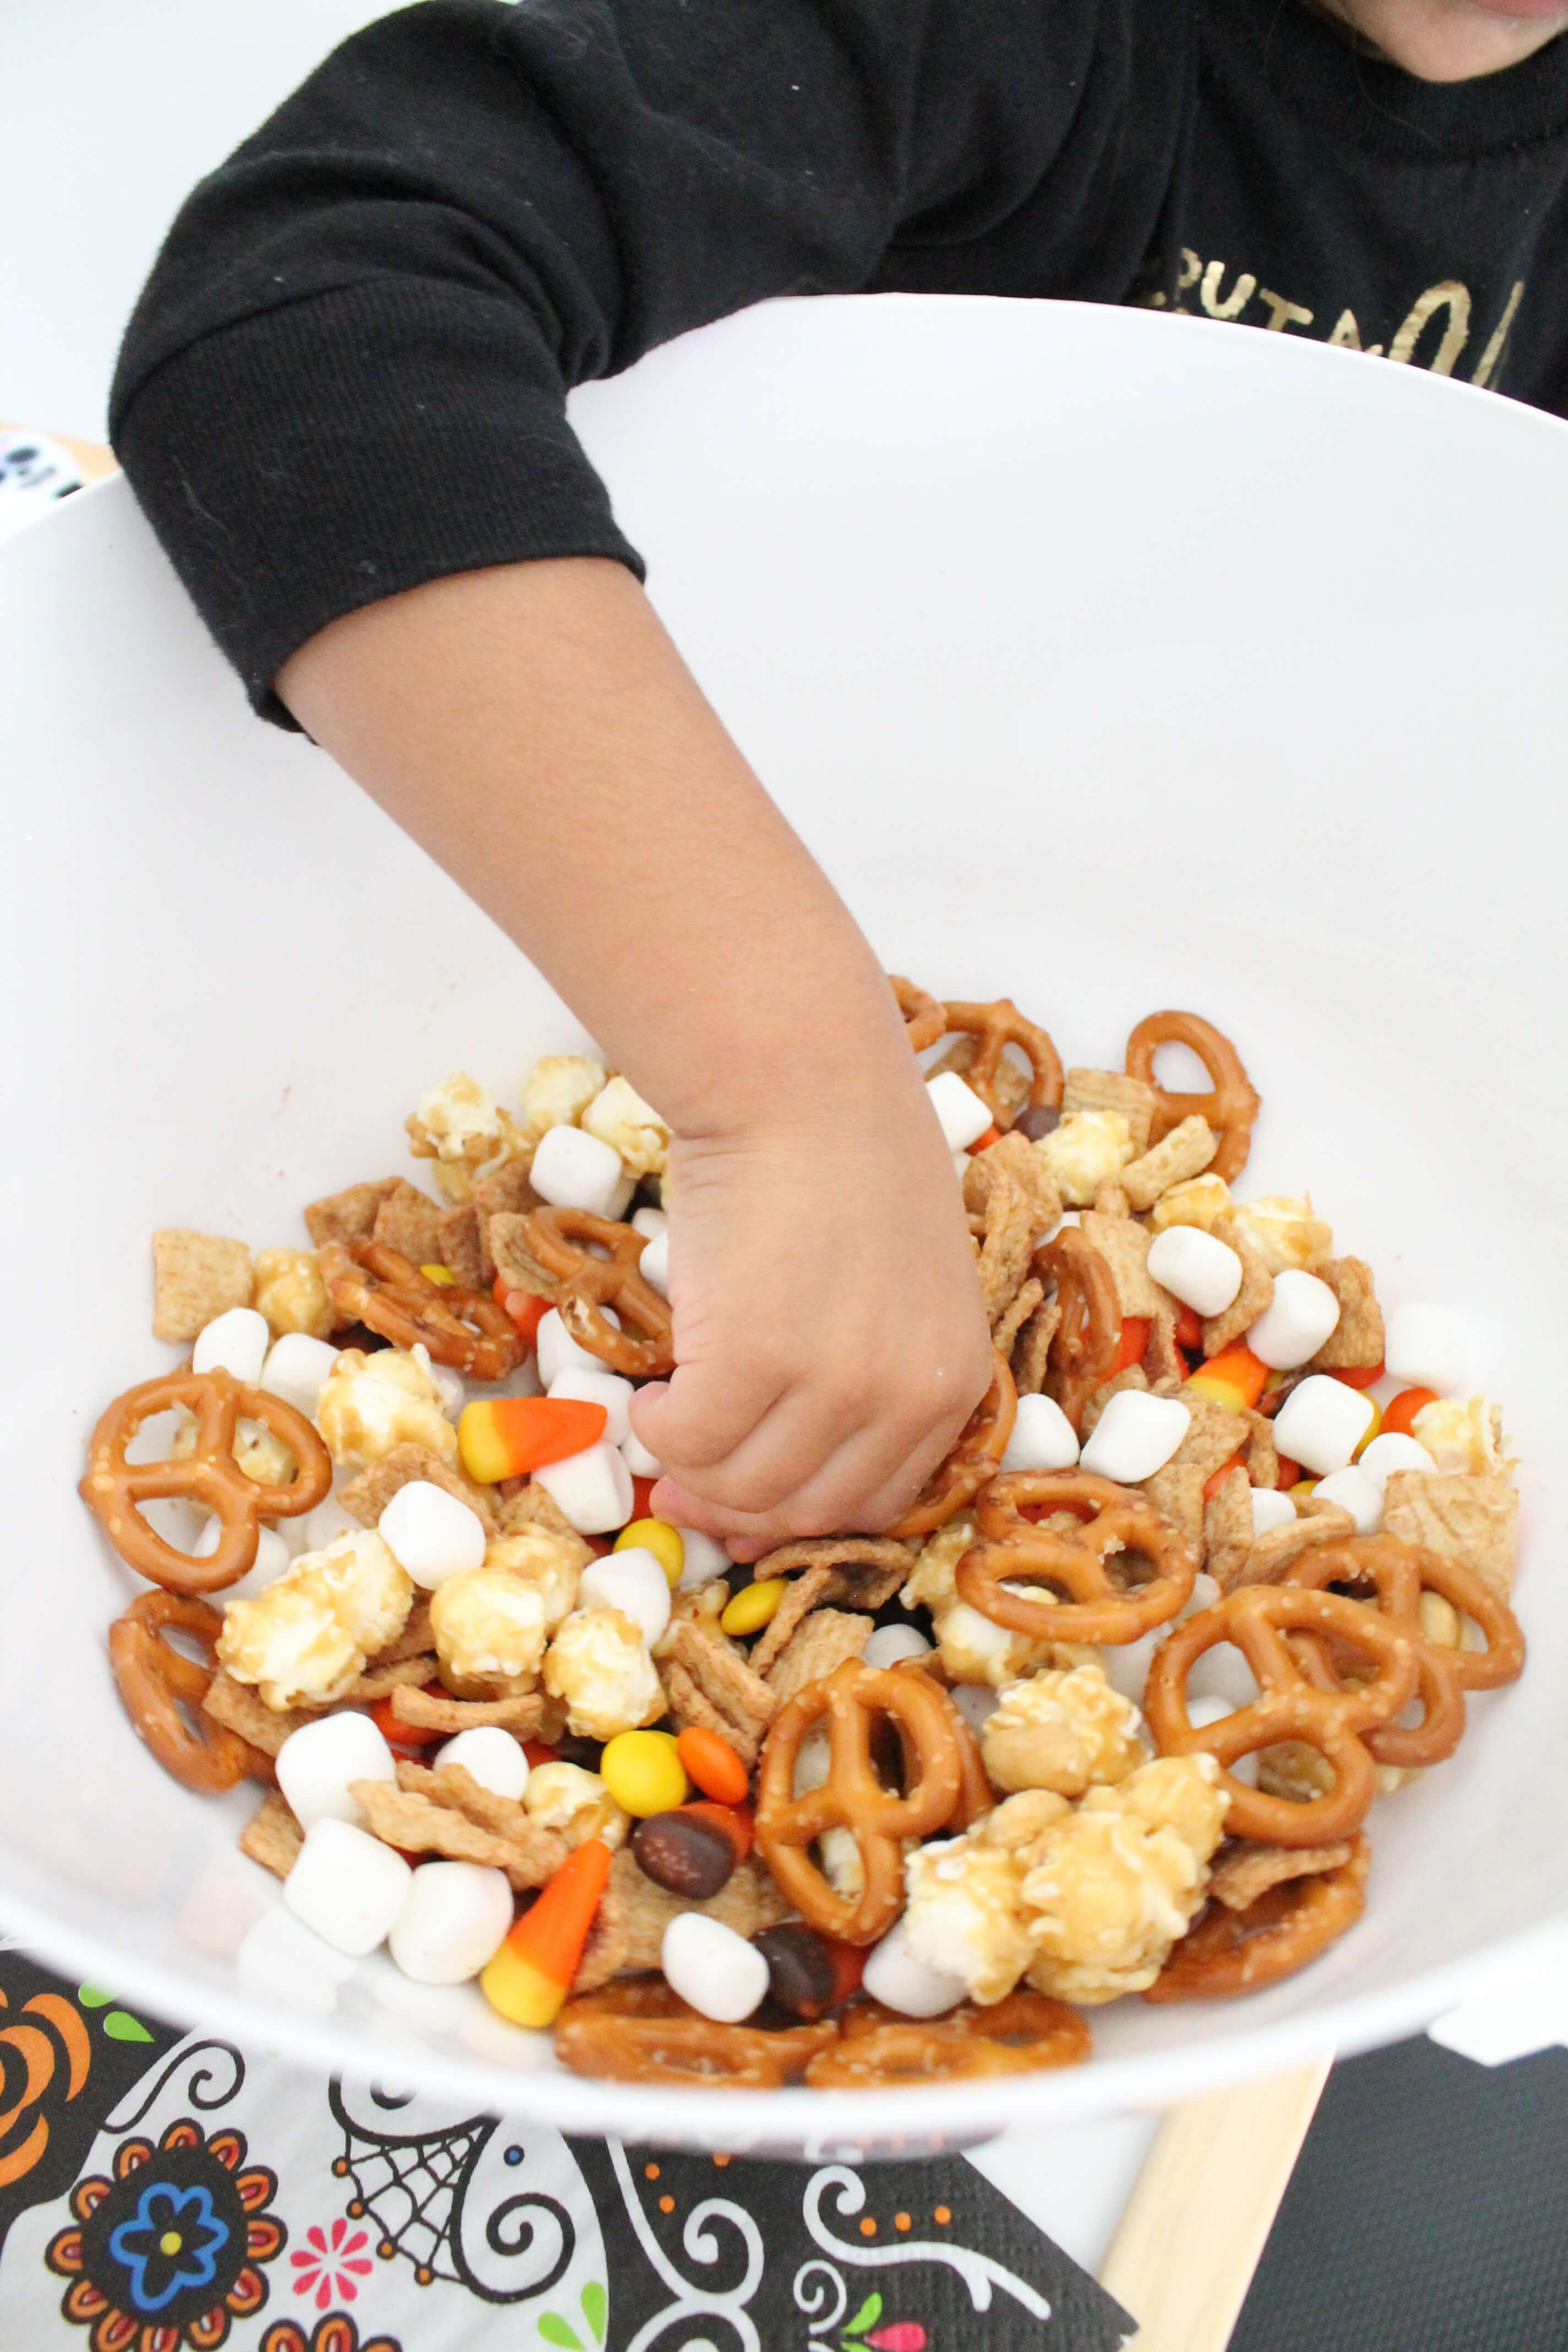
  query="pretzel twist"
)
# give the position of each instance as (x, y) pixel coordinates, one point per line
(371, 1283)
(585, 1285)
(994, 1028)
(1230, 1952)
(923, 1016)
(1094, 1606)
(982, 1443)
(1231, 1106)
(1017, 2035)
(1089, 1333)
(156, 1681)
(852, 1798)
(638, 2029)
(1398, 1574)
(1256, 1617)
(210, 1475)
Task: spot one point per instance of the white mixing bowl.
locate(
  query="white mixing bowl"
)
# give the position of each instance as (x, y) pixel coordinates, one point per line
(1106, 661)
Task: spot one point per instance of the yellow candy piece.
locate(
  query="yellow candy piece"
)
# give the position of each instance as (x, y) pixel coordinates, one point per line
(643, 1772)
(522, 1992)
(660, 1538)
(1302, 1488)
(1374, 1425)
(441, 1274)
(754, 1605)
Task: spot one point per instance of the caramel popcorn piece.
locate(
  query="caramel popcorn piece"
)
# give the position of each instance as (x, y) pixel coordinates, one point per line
(575, 1804)
(459, 1126)
(195, 1276)
(598, 1664)
(1088, 1148)
(1464, 1433)
(538, 1559)
(1113, 1090)
(558, 1090)
(291, 1295)
(371, 1405)
(309, 1634)
(1203, 1201)
(490, 1633)
(973, 1650)
(1460, 1515)
(619, 1117)
(964, 1914)
(1120, 1879)
(1061, 1730)
(1285, 1233)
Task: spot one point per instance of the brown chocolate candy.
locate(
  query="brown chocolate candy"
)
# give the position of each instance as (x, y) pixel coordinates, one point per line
(1036, 1119)
(801, 1974)
(684, 1854)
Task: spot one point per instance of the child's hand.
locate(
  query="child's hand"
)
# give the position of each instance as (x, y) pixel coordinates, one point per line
(830, 1338)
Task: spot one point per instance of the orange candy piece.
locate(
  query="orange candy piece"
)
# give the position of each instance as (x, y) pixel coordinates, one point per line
(1236, 1377)
(712, 1766)
(525, 1307)
(505, 1437)
(1400, 1412)
(1132, 1345)
(528, 1979)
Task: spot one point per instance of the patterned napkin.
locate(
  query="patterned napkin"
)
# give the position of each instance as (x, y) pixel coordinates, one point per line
(167, 2192)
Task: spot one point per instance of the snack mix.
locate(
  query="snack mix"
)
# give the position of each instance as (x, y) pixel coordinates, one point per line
(1105, 1715)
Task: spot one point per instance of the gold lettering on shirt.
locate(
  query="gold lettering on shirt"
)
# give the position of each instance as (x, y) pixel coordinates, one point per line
(1347, 335)
(1235, 302)
(1450, 295)
(1493, 352)
(1282, 314)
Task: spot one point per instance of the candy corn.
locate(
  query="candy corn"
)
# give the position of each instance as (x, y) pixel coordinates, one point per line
(526, 1309)
(1234, 1378)
(532, 1974)
(1133, 1343)
(502, 1437)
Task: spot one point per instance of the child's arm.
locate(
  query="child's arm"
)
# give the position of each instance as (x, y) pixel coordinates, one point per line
(535, 728)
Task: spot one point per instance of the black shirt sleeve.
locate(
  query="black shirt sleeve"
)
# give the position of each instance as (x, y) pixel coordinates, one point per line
(347, 372)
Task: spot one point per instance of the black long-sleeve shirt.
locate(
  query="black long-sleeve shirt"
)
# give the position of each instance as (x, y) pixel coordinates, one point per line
(347, 372)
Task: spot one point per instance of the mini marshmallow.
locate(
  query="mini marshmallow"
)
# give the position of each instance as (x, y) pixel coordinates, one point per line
(558, 1352)
(1424, 1348)
(1294, 1325)
(1321, 1423)
(297, 1369)
(271, 1558)
(891, 1644)
(347, 1886)
(650, 1223)
(1354, 1491)
(1392, 1452)
(594, 1488)
(654, 1263)
(977, 1701)
(489, 1756)
(1222, 1681)
(447, 1384)
(633, 1580)
(895, 1977)
(706, 1557)
(572, 1170)
(324, 1525)
(1270, 1509)
(964, 1118)
(1135, 1435)
(1203, 1272)
(316, 1763)
(717, 1972)
(454, 1919)
(1201, 1712)
(1043, 1437)
(637, 1459)
(236, 1343)
(598, 1387)
(431, 1533)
